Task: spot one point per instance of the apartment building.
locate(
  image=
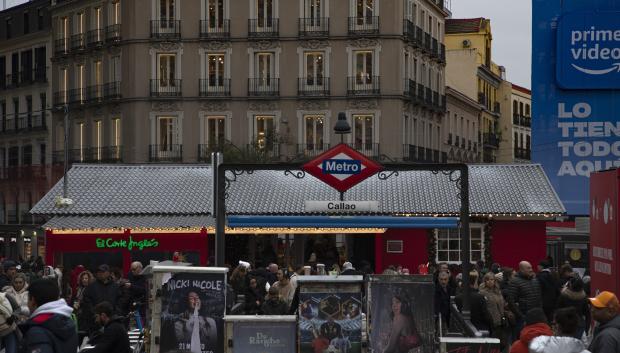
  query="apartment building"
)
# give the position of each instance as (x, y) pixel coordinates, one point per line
(471, 71)
(516, 147)
(25, 104)
(171, 81)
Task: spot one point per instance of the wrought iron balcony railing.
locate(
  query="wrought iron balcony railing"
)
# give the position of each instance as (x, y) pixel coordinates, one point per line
(418, 154)
(166, 87)
(78, 95)
(78, 42)
(263, 27)
(490, 139)
(96, 37)
(205, 150)
(258, 87)
(112, 90)
(522, 153)
(311, 150)
(166, 153)
(313, 86)
(61, 46)
(214, 87)
(364, 26)
(263, 151)
(363, 85)
(61, 98)
(368, 149)
(314, 27)
(165, 29)
(215, 29)
(113, 33)
(95, 94)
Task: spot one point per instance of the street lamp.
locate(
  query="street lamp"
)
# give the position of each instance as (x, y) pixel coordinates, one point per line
(342, 126)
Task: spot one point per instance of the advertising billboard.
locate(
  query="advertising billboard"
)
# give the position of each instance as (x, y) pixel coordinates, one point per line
(575, 82)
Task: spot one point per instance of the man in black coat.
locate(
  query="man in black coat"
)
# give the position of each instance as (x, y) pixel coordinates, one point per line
(114, 338)
(524, 293)
(480, 316)
(549, 288)
(104, 289)
(442, 299)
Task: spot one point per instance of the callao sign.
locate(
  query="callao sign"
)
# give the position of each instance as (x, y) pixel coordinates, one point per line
(342, 167)
(575, 82)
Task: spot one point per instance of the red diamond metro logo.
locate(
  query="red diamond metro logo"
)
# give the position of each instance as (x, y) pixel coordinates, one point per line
(342, 167)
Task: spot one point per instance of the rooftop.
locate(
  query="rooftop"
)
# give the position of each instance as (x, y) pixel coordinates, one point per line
(464, 25)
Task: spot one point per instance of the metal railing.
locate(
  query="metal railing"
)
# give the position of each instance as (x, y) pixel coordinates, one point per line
(78, 95)
(525, 121)
(368, 149)
(258, 87)
(428, 96)
(12, 80)
(413, 153)
(165, 29)
(165, 87)
(435, 47)
(313, 86)
(215, 29)
(523, 153)
(313, 27)
(427, 42)
(112, 90)
(103, 154)
(95, 37)
(61, 46)
(113, 33)
(205, 150)
(311, 149)
(78, 41)
(61, 98)
(409, 32)
(409, 88)
(95, 94)
(442, 52)
(166, 153)
(263, 27)
(263, 150)
(490, 139)
(216, 87)
(364, 26)
(363, 85)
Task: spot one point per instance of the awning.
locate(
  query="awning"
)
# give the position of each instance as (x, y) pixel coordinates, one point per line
(341, 222)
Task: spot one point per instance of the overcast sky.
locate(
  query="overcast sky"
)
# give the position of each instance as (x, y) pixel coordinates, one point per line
(511, 23)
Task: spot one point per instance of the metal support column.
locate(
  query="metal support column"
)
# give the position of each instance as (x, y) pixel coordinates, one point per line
(220, 211)
(465, 240)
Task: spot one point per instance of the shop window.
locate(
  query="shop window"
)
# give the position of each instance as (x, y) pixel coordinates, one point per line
(449, 245)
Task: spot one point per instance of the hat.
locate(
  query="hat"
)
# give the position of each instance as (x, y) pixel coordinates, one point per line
(347, 266)
(535, 316)
(605, 300)
(244, 264)
(103, 268)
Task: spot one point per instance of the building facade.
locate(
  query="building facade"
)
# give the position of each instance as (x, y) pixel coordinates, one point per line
(461, 128)
(172, 81)
(516, 147)
(25, 103)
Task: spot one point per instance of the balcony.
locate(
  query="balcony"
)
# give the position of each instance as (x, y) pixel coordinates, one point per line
(409, 88)
(263, 87)
(520, 120)
(442, 53)
(263, 151)
(12, 80)
(165, 88)
(61, 47)
(449, 142)
(368, 149)
(313, 87)
(364, 26)
(113, 33)
(112, 90)
(420, 93)
(95, 38)
(489, 157)
(413, 153)
(165, 153)
(10, 125)
(427, 42)
(435, 47)
(523, 153)
(214, 87)
(516, 119)
(78, 95)
(30, 122)
(108, 154)
(490, 140)
(219, 30)
(61, 98)
(166, 29)
(497, 108)
(428, 97)
(363, 85)
(78, 42)
(311, 150)
(94, 94)
(482, 98)
(411, 34)
(205, 150)
(313, 27)
(264, 28)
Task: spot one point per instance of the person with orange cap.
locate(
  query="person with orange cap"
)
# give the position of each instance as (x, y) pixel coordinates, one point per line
(605, 307)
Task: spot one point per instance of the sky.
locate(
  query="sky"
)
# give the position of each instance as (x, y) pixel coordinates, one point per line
(10, 3)
(511, 25)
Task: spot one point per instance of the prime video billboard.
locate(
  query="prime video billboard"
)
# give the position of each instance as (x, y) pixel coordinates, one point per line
(575, 97)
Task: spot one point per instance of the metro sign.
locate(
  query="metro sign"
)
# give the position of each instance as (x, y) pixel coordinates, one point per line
(342, 167)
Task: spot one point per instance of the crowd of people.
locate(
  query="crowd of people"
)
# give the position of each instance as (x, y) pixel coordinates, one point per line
(547, 311)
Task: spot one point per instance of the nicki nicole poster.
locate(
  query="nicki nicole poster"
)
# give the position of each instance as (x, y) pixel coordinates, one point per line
(193, 307)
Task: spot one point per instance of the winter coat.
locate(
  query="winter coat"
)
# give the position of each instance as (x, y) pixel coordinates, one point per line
(94, 294)
(21, 297)
(557, 344)
(114, 338)
(286, 292)
(607, 337)
(274, 306)
(7, 325)
(524, 294)
(577, 300)
(549, 291)
(251, 297)
(495, 304)
(527, 336)
(50, 330)
(442, 303)
(479, 314)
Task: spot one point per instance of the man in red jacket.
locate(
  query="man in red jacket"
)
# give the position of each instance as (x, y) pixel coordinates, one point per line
(535, 325)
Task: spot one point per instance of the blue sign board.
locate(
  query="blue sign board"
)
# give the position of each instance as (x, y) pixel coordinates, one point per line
(575, 93)
(342, 166)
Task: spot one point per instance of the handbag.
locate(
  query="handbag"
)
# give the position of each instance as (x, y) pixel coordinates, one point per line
(405, 343)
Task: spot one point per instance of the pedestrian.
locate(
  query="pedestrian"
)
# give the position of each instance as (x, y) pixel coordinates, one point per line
(535, 325)
(564, 341)
(607, 335)
(478, 306)
(136, 284)
(443, 267)
(573, 295)
(349, 270)
(104, 289)
(524, 293)
(443, 292)
(114, 338)
(566, 272)
(549, 288)
(6, 278)
(254, 297)
(285, 289)
(8, 326)
(19, 292)
(495, 306)
(238, 280)
(274, 305)
(272, 275)
(49, 328)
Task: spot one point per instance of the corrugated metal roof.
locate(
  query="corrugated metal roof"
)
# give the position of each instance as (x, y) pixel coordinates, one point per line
(133, 222)
(186, 190)
(463, 25)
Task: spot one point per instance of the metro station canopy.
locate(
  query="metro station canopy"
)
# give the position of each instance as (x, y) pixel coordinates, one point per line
(180, 196)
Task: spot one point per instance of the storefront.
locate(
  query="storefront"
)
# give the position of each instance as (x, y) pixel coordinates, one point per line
(171, 206)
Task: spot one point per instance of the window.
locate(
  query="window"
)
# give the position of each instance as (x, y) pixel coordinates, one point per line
(264, 13)
(363, 65)
(40, 19)
(42, 154)
(363, 132)
(115, 69)
(64, 84)
(527, 110)
(116, 132)
(166, 13)
(264, 68)
(79, 82)
(215, 13)
(313, 132)
(98, 140)
(8, 23)
(314, 10)
(15, 111)
(215, 70)
(364, 11)
(449, 245)
(97, 21)
(116, 12)
(215, 130)
(26, 24)
(27, 155)
(167, 67)
(80, 140)
(314, 68)
(167, 134)
(79, 22)
(264, 129)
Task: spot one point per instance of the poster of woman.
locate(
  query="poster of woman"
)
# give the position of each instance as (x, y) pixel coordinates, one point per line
(401, 319)
(193, 307)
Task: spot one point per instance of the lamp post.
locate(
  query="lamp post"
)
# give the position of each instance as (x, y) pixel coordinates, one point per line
(342, 126)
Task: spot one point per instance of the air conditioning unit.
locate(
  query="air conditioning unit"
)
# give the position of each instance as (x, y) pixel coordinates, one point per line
(466, 43)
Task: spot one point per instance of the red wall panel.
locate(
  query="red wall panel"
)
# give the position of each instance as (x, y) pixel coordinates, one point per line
(516, 241)
(415, 249)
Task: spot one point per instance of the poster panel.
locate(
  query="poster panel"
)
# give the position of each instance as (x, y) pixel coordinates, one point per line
(264, 337)
(193, 308)
(330, 319)
(401, 314)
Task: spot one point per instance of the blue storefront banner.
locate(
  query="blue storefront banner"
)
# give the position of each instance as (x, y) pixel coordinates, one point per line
(575, 93)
